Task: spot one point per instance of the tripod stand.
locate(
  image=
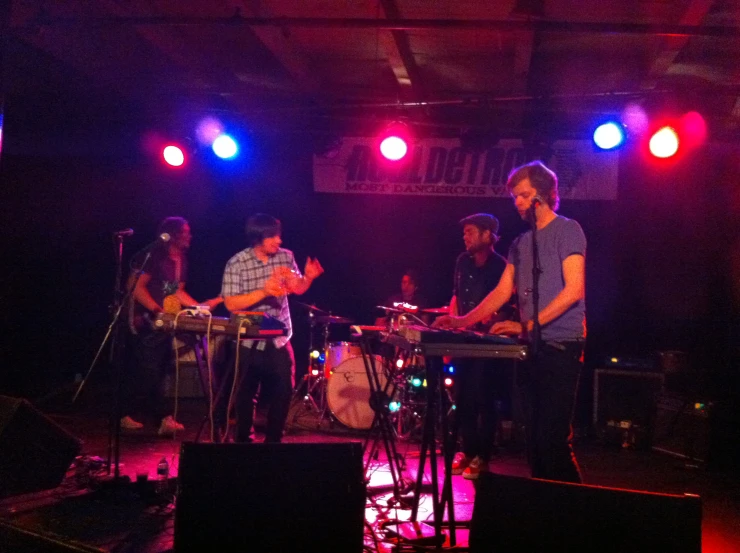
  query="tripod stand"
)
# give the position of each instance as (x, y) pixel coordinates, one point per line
(381, 391)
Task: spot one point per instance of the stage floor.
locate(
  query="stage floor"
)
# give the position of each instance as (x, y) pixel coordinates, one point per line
(123, 522)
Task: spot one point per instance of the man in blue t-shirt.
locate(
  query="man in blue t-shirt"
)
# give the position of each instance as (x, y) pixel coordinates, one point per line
(550, 380)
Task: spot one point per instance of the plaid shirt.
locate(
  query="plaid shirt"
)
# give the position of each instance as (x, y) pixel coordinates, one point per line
(244, 273)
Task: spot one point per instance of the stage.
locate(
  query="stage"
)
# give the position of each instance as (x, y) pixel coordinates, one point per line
(133, 519)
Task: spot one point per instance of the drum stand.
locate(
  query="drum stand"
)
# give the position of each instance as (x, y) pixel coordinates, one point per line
(315, 384)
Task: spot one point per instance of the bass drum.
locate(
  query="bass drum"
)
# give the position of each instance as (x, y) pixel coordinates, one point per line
(338, 352)
(348, 393)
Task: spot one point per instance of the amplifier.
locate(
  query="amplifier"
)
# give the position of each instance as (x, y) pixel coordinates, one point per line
(624, 403)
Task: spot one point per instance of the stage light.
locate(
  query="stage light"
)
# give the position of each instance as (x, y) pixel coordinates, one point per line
(225, 147)
(173, 156)
(448, 382)
(692, 129)
(315, 372)
(393, 148)
(394, 406)
(609, 135)
(393, 141)
(208, 130)
(664, 143)
(635, 119)
(451, 369)
(315, 354)
(416, 382)
(399, 363)
(322, 357)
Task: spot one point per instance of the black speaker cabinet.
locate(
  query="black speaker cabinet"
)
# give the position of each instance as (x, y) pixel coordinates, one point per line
(35, 452)
(270, 498)
(519, 514)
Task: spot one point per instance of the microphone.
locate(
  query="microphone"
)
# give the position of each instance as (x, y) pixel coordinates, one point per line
(124, 232)
(161, 239)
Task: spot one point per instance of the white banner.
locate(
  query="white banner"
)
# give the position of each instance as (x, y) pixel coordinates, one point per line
(440, 167)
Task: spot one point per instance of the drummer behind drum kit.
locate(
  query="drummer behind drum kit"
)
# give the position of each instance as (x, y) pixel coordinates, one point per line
(336, 383)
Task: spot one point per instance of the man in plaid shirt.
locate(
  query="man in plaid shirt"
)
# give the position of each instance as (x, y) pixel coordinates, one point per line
(260, 278)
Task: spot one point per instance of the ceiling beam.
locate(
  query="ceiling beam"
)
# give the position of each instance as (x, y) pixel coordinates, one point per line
(277, 40)
(400, 55)
(693, 16)
(659, 29)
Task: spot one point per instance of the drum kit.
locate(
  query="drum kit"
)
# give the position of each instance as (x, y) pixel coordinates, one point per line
(336, 383)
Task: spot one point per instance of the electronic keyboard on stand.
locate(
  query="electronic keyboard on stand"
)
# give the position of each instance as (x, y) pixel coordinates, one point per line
(456, 343)
(434, 344)
(254, 325)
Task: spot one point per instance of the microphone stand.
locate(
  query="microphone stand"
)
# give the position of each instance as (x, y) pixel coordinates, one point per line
(115, 352)
(536, 337)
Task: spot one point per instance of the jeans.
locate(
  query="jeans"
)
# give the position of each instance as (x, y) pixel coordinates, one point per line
(479, 387)
(271, 372)
(143, 382)
(549, 385)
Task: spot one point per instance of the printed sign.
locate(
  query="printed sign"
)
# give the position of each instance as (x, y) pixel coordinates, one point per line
(441, 167)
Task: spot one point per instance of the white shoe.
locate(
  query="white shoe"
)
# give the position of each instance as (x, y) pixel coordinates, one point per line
(127, 423)
(169, 426)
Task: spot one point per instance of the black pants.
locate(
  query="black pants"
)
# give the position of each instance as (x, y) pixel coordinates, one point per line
(478, 391)
(271, 372)
(144, 379)
(549, 385)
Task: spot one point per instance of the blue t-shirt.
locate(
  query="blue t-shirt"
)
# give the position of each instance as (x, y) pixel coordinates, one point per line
(561, 238)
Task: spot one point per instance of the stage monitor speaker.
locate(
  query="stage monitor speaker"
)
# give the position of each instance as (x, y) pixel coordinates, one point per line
(35, 452)
(520, 514)
(270, 498)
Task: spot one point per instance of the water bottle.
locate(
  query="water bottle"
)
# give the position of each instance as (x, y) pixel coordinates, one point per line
(163, 474)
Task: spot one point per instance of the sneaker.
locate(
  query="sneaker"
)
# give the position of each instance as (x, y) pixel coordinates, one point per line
(460, 463)
(474, 469)
(169, 426)
(127, 423)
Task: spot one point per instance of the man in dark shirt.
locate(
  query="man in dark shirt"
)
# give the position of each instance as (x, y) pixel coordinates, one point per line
(477, 271)
(409, 294)
(162, 282)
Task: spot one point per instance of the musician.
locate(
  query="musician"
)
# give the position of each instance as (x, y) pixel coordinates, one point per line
(260, 278)
(161, 283)
(551, 380)
(409, 294)
(477, 271)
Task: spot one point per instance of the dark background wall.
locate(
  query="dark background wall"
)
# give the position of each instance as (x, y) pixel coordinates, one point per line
(658, 266)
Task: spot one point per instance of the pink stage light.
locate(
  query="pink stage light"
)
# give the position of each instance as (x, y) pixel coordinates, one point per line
(693, 129)
(393, 148)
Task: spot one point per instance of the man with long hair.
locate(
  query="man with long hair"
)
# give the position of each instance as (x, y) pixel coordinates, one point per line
(162, 280)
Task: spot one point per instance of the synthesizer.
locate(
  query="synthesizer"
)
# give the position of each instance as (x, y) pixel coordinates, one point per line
(456, 343)
(251, 325)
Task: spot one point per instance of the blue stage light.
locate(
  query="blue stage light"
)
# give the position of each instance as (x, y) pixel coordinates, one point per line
(225, 147)
(608, 136)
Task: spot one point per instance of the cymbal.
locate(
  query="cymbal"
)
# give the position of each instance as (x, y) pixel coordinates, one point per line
(332, 319)
(437, 310)
(311, 307)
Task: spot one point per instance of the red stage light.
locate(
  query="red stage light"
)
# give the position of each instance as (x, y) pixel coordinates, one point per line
(664, 142)
(173, 156)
